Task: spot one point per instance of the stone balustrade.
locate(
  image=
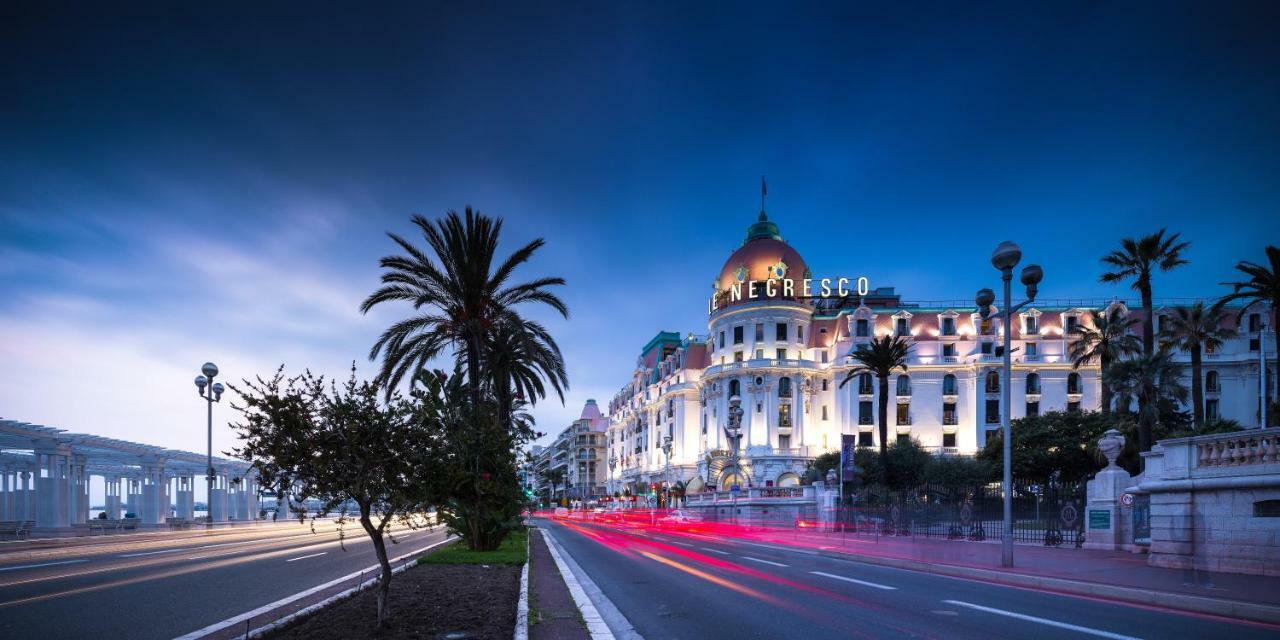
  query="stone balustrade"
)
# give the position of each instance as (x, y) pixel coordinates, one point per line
(1237, 449)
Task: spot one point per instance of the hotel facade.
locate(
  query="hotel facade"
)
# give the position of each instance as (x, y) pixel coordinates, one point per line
(778, 340)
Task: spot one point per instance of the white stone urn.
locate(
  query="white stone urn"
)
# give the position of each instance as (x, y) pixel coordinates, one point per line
(1111, 444)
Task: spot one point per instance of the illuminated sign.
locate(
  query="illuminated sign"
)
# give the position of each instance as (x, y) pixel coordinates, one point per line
(744, 289)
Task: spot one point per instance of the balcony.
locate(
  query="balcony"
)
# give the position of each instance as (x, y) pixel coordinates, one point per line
(950, 359)
(950, 421)
(866, 420)
(1032, 357)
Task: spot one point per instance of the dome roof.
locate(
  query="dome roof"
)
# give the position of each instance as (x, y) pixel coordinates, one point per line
(762, 256)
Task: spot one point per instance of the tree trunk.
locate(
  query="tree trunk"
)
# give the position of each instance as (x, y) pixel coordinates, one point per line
(384, 580)
(1148, 347)
(1197, 389)
(884, 415)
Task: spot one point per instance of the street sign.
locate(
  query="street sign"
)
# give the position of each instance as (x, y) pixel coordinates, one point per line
(1127, 499)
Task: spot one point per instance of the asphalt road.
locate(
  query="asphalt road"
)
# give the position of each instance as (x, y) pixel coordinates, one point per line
(674, 585)
(166, 585)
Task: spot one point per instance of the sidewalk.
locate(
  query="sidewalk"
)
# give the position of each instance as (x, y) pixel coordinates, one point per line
(1109, 568)
(552, 612)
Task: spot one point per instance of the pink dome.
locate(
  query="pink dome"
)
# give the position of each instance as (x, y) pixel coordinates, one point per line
(762, 256)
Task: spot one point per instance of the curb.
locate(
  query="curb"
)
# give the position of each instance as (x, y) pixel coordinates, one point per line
(1255, 612)
(613, 620)
(248, 615)
(522, 606)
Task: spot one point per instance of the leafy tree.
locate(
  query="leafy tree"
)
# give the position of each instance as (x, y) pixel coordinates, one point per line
(881, 357)
(904, 465)
(553, 477)
(1262, 287)
(959, 471)
(518, 357)
(1104, 340)
(1056, 441)
(344, 443)
(1196, 329)
(1156, 381)
(817, 468)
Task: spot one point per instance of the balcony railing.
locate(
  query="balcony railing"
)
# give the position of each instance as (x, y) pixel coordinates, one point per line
(1234, 450)
(950, 420)
(866, 420)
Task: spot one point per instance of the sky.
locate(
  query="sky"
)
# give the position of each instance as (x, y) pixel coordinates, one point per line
(185, 187)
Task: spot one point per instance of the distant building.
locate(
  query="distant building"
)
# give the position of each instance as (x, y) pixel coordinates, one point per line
(578, 451)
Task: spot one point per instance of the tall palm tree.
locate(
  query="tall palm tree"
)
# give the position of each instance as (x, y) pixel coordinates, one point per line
(1137, 259)
(881, 357)
(1157, 382)
(1195, 329)
(1262, 287)
(460, 297)
(518, 357)
(1106, 341)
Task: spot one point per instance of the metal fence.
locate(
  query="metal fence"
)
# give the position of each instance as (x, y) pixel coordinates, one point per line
(1048, 512)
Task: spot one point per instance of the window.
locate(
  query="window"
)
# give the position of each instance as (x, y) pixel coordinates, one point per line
(862, 329)
(864, 383)
(1211, 382)
(986, 327)
(799, 333)
(784, 442)
(1073, 383)
(1033, 409)
(781, 354)
(993, 411)
(780, 331)
(1255, 323)
(1073, 407)
(949, 440)
(993, 382)
(865, 439)
(759, 408)
(721, 339)
(1032, 349)
(1033, 384)
(737, 335)
(949, 350)
(824, 412)
(987, 348)
(737, 356)
(1254, 345)
(1211, 409)
(824, 356)
(1160, 323)
(1033, 324)
(671, 408)
(904, 414)
(1072, 323)
(904, 385)
(735, 388)
(948, 326)
(784, 387)
(903, 327)
(949, 413)
(949, 385)
(864, 412)
(826, 384)
(904, 438)
(784, 415)
(759, 332)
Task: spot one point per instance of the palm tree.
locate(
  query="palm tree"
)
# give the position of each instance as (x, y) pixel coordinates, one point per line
(1262, 287)
(1137, 259)
(881, 357)
(553, 477)
(1194, 329)
(518, 357)
(1105, 342)
(1157, 382)
(459, 301)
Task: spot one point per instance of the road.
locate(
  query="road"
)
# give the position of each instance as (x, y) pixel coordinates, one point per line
(675, 585)
(169, 584)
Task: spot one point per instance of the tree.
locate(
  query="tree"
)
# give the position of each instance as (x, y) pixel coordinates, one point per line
(881, 357)
(461, 300)
(1156, 381)
(817, 468)
(1104, 340)
(518, 357)
(1262, 287)
(904, 465)
(345, 444)
(553, 477)
(1138, 259)
(1054, 442)
(1196, 329)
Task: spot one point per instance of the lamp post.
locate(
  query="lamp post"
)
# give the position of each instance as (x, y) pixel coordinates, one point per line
(1005, 258)
(666, 474)
(613, 463)
(733, 430)
(211, 392)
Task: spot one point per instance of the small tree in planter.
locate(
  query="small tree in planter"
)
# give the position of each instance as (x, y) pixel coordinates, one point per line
(344, 444)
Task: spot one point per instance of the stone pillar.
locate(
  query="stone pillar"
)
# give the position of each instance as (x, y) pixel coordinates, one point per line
(218, 499)
(78, 505)
(133, 496)
(1104, 525)
(5, 494)
(52, 490)
(154, 495)
(111, 497)
(185, 494)
(27, 494)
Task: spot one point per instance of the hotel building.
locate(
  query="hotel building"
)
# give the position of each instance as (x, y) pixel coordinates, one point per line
(779, 340)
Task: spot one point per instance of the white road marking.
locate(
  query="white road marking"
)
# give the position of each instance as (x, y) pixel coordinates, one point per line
(153, 553)
(776, 564)
(305, 557)
(683, 544)
(33, 566)
(1044, 621)
(723, 553)
(855, 581)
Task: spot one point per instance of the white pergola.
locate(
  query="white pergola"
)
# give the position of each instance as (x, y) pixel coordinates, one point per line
(45, 474)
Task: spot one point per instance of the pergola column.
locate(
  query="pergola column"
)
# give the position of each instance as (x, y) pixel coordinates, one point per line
(185, 494)
(6, 497)
(111, 496)
(153, 492)
(52, 486)
(251, 496)
(133, 496)
(26, 502)
(78, 505)
(218, 497)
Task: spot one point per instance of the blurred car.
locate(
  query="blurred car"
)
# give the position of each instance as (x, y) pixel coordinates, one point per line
(678, 518)
(561, 512)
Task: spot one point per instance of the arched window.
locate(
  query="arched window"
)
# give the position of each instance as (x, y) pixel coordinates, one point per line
(864, 383)
(735, 388)
(1211, 382)
(1073, 383)
(993, 382)
(784, 387)
(671, 407)
(788, 479)
(904, 385)
(949, 385)
(1033, 383)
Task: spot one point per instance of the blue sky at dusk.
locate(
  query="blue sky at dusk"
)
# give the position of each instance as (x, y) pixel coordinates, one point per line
(181, 188)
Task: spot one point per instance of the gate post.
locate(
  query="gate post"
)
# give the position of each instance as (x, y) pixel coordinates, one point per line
(1103, 494)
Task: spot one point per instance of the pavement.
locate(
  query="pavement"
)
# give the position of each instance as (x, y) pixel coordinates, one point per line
(164, 585)
(553, 615)
(676, 584)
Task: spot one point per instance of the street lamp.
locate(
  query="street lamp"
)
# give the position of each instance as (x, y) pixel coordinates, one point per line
(613, 463)
(212, 392)
(666, 449)
(1004, 259)
(733, 429)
